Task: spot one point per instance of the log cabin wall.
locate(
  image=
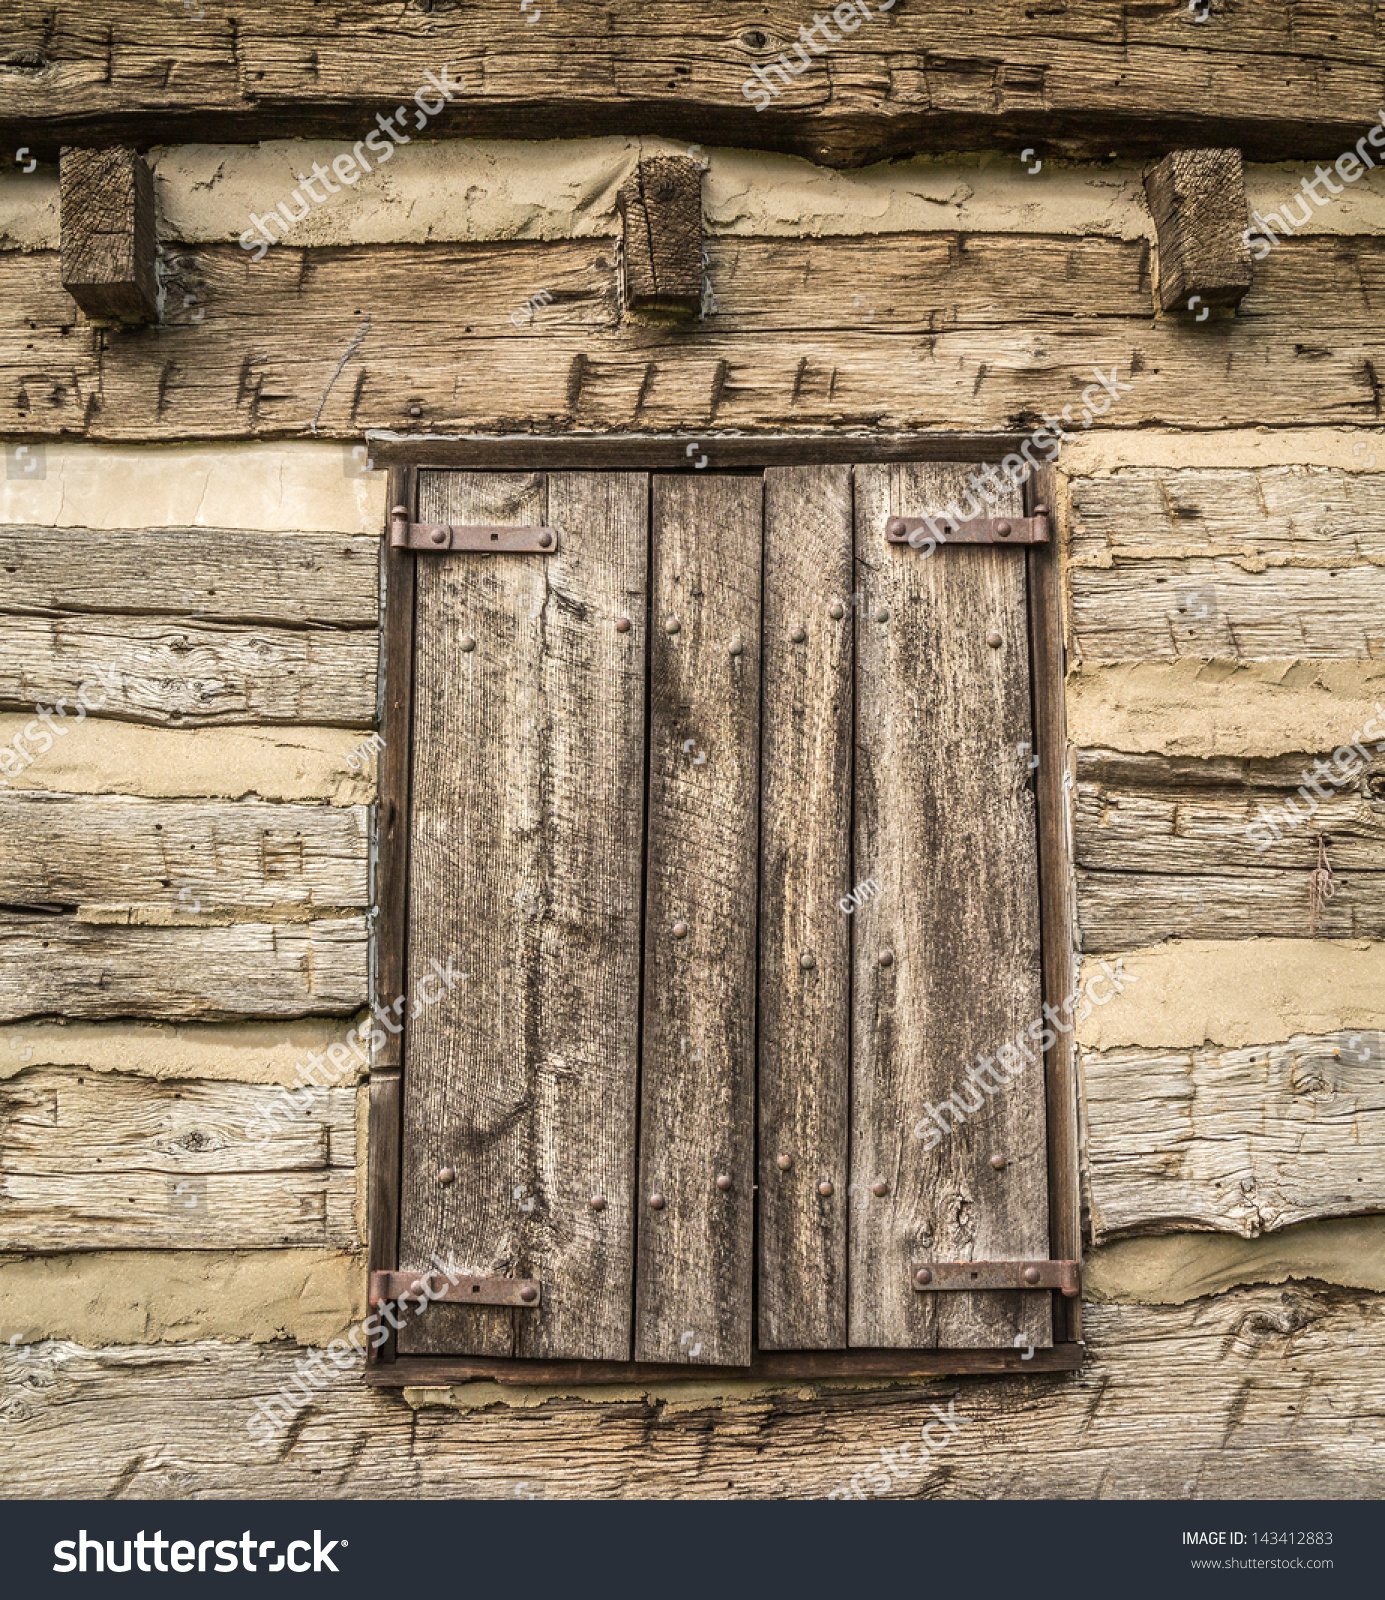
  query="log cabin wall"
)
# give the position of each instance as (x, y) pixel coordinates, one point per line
(187, 519)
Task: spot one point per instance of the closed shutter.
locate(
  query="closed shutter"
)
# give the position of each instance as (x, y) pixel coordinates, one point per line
(722, 808)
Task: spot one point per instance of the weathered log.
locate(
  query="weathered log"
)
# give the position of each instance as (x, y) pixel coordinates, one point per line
(108, 234)
(1198, 201)
(661, 240)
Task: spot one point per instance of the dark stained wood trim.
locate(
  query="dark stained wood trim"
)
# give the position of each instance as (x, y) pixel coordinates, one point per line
(423, 1371)
(659, 451)
(1056, 909)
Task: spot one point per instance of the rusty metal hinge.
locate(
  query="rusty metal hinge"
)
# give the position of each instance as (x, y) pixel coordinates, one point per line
(455, 1291)
(492, 539)
(1064, 1275)
(976, 530)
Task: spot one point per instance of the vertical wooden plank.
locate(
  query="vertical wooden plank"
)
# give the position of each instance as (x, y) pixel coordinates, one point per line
(805, 943)
(946, 957)
(525, 872)
(693, 1280)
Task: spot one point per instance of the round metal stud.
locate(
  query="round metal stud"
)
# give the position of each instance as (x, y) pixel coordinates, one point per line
(877, 1189)
(1031, 1275)
(923, 1277)
(997, 1162)
(656, 1202)
(882, 615)
(415, 411)
(680, 930)
(438, 536)
(622, 624)
(598, 1202)
(1003, 530)
(723, 1180)
(807, 961)
(886, 958)
(825, 1188)
(545, 540)
(799, 635)
(785, 1162)
(836, 611)
(446, 1174)
(528, 1294)
(994, 640)
(672, 625)
(737, 648)
(467, 643)
(894, 528)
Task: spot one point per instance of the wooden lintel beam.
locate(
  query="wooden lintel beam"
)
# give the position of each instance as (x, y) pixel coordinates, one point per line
(1198, 200)
(108, 233)
(661, 218)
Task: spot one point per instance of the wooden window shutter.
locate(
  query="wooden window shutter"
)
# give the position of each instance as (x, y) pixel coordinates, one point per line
(722, 806)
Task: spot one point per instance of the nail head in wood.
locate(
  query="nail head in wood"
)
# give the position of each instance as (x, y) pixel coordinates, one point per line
(723, 1181)
(622, 624)
(886, 958)
(994, 640)
(997, 1162)
(661, 221)
(446, 1174)
(108, 233)
(1198, 201)
(680, 930)
(656, 1202)
(467, 643)
(825, 1189)
(598, 1202)
(878, 1189)
(785, 1162)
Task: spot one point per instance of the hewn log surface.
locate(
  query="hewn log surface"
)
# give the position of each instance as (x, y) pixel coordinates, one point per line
(106, 1162)
(786, 346)
(230, 574)
(1278, 83)
(55, 966)
(1257, 1393)
(1198, 200)
(189, 674)
(661, 236)
(180, 858)
(109, 235)
(1242, 1141)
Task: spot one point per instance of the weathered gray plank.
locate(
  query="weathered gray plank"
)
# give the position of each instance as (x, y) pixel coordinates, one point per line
(1242, 1141)
(189, 674)
(805, 866)
(1307, 512)
(185, 858)
(1261, 1393)
(55, 966)
(945, 825)
(697, 1087)
(1157, 608)
(232, 574)
(103, 1161)
(525, 866)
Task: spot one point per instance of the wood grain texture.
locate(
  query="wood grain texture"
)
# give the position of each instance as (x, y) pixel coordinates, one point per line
(190, 674)
(1241, 1141)
(805, 877)
(109, 236)
(661, 236)
(55, 966)
(57, 851)
(230, 574)
(524, 865)
(785, 347)
(945, 824)
(953, 76)
(697, 1086)
(109, 1162)
(1261, 1393)
(1198, 201)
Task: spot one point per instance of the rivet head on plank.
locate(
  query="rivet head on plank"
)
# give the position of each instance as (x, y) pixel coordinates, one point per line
(467, 643)
(799, 635)
(1031, 1275)
(622, 624)
(598, 1202)
(545, 539)
(528, 1294)
(680, 930)
(825, 1188)
(785, 1162)
(886, 958)
(923, 1277)
(415, 411)
(994, 640)
(446, 1174)
(894, 528)
(438, 536)
(1003, 530)
(807, 961)
(672, 625)
(723, 1180)
(656, 1202)
(836, 611)
(997, 1162)
(877, 1189)
(882, 615)
(736, 647)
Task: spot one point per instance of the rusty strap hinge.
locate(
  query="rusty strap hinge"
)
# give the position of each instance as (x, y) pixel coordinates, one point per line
(975, 530)
(1064, 1275)
(454, 1290)
(441, 536)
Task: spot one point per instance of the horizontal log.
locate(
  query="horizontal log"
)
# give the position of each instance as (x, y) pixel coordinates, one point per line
(1092, 79)
(1316, 513)
(974, 332)
(228, 574)
(1155, 609)
(182, 858)
(186, 674)
(107, 1162)
(1240, 1141)
(56, 966)
(1250, 1395)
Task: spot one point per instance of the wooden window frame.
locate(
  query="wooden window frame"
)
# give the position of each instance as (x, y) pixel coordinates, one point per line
(406, 456)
